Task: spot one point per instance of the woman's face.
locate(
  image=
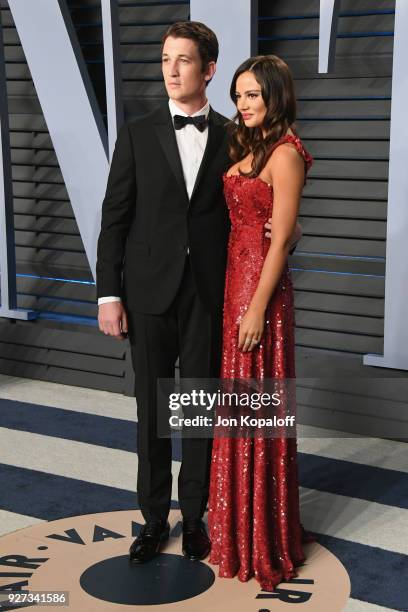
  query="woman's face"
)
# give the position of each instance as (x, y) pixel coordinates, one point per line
(249, 101)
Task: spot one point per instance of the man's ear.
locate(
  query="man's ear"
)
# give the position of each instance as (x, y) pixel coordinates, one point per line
(211, 70)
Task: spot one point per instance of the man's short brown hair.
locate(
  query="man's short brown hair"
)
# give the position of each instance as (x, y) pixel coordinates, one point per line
(201, 34)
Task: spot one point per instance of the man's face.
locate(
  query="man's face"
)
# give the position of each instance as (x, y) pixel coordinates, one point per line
(182, 70)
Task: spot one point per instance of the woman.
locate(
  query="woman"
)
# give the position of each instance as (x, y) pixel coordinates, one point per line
(253, 517)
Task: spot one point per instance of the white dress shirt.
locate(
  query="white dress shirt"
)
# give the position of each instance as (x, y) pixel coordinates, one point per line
(191, 145)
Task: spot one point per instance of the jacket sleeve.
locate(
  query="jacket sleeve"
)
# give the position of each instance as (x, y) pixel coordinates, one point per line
(117, 211)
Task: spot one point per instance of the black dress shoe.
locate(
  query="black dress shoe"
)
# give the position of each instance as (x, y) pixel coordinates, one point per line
(147, 544)
(196, 544)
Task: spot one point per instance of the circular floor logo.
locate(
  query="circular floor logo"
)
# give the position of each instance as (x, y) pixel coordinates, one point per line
(87, 557)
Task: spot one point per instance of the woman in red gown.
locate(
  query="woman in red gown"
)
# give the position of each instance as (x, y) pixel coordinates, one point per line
(253, 518)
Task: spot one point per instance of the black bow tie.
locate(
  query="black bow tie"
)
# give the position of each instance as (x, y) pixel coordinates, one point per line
(200, 122)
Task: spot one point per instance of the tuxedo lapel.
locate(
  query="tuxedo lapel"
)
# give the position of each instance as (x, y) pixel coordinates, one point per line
(165, 133)
(215, 135)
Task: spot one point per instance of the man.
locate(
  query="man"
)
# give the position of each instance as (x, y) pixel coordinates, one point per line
(164, 213)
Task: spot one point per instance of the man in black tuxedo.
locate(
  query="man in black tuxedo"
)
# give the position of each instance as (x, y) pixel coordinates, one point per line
(165, 227)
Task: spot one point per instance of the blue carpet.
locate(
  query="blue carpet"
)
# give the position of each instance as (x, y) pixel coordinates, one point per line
(68, 424)
(49, 497)
(377, 576)
(357, 480)
(324, 474)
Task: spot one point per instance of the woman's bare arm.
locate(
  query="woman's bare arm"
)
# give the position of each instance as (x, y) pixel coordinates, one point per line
(285, 170)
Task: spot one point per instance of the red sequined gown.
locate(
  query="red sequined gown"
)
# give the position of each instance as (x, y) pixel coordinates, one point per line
(253, 518)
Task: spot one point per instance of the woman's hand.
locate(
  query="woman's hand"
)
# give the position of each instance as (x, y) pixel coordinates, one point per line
(251, 329)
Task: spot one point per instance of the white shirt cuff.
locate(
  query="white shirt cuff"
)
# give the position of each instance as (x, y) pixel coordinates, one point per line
(107, 299)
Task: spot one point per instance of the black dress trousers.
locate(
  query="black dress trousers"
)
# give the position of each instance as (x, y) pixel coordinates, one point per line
(186, 330)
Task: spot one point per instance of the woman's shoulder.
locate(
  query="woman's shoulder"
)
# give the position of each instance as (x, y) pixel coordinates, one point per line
(286, 152)
(289, 151)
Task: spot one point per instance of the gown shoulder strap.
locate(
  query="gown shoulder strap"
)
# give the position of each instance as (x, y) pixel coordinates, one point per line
(295, 140)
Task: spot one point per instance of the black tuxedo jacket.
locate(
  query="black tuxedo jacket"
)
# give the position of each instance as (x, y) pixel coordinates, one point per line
(148, 221)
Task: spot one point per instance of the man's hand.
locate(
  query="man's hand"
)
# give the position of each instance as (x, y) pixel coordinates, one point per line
(296, 236)
(113, 320)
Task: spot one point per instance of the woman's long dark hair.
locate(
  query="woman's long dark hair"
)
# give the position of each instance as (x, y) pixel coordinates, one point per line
(278, 93)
